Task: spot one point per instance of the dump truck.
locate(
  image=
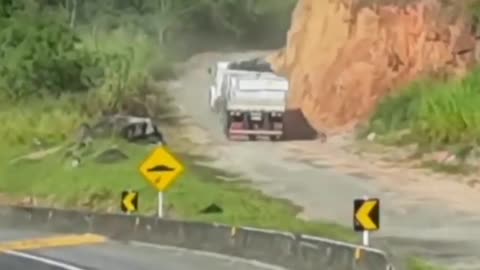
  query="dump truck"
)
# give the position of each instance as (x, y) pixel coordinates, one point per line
(250, 99)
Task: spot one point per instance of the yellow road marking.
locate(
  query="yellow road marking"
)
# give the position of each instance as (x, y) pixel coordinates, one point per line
(54, 241)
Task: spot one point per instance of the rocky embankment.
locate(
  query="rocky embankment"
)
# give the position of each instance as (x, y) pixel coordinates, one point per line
(342, 56)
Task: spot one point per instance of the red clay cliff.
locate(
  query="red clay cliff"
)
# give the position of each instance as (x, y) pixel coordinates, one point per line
(341, 57)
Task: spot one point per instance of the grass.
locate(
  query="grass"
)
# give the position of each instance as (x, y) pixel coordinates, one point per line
(419, 264)
(433, 114)
(21, 126)
(53, 181)
(100, 185)
(146, 55)
(33, 118)
(96, 186)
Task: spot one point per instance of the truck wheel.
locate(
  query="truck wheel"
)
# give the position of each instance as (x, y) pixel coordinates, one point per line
(248, 126)
(275, 138)
(268, 125)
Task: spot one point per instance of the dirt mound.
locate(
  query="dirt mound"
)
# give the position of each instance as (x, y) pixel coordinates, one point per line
(342, 56)
(296, 126)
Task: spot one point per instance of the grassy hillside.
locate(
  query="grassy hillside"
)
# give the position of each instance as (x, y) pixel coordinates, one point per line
(432, 114)
(435, 114)
(64, 62)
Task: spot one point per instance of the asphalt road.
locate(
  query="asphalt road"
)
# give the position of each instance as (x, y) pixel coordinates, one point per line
(113, 256)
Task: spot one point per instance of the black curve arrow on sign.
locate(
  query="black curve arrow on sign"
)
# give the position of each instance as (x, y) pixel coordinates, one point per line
(160, 168)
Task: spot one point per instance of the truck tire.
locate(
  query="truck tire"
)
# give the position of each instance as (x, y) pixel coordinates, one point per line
(248, 126)
(275, 138)
(268, 124)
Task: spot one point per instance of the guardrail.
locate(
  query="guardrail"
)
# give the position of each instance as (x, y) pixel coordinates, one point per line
(291, 251)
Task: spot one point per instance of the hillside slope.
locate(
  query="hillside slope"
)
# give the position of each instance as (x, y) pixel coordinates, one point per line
(343, 56)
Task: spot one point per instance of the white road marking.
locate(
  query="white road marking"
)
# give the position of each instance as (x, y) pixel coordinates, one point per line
(43, 260)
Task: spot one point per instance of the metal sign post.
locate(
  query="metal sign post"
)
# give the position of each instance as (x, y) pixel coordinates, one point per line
(366, 217)
(161, 169)
(160, 204)
(366, 233)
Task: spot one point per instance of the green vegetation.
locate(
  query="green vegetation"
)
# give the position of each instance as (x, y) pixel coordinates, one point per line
(419, 264)
(68, 62)
(432, 113)
(98, 186)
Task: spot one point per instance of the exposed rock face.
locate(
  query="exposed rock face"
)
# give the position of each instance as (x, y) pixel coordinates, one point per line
(342, 56)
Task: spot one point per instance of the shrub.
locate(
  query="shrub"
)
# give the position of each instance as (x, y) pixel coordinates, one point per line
(67, 61)
(436, 113)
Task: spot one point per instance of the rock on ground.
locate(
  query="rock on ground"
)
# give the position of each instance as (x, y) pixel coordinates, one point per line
(129, 127)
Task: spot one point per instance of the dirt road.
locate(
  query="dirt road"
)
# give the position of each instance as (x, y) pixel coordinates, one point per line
(440, 220)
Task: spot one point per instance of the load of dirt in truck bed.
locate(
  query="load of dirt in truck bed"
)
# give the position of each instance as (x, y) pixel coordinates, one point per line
(255, 64)
(342, 56)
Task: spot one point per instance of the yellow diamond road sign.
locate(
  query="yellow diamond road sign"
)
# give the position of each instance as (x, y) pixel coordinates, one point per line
(161, 169)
